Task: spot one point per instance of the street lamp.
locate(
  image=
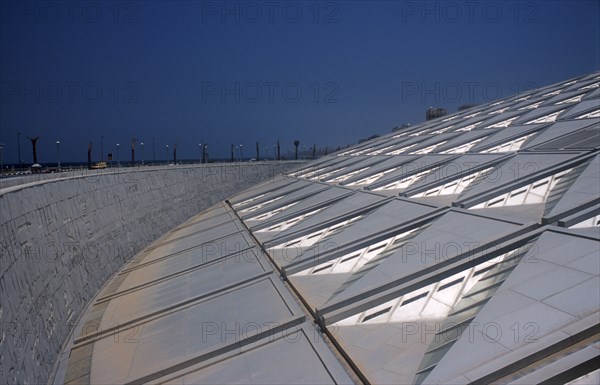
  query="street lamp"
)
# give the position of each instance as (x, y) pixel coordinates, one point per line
(200, 153)
(142, 145)
(19, 149)
(153, 152)
(274, 151)
(241, 153)
(167, 151)
(1, 161)
(58, 153)
(118, 159)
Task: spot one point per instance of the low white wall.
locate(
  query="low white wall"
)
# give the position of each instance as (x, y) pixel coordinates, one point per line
(62, 239)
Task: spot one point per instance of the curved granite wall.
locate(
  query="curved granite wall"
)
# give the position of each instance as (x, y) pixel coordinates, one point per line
(62, 239)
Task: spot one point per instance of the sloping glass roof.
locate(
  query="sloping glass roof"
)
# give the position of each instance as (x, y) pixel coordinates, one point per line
(464, 249)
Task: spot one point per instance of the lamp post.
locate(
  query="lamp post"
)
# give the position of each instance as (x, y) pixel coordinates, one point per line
(167, 151)
(241, 152)
(153, 152)
(133, 141)
(58, 153)
(200, 153)
(19, 149)
(102, 148)
(142, 145)
(274, 151)
(1, 159)
(118, 159)
(89, 154)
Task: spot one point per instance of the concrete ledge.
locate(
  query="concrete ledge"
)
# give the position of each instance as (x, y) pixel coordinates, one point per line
(62, 238)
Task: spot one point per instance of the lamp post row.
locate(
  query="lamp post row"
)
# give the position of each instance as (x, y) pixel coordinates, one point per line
(202, 148)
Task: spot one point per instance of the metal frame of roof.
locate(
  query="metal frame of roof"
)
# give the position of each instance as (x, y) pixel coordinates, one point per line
(313, 278)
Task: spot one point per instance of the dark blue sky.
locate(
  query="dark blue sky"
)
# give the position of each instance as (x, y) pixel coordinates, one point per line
(236, 72)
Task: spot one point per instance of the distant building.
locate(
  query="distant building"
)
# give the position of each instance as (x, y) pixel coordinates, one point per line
(433, 113)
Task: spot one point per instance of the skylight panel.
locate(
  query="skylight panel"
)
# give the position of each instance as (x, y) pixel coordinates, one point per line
(313, 172)
(325, 175)
(380, 151)
(523, 98)
(472, 115)
(376, 314)
(574, 99)
(512, 145)
(499, 111)
(347, 152)
(290, 222)
(249, 200)
(363, 151)
(312, 238)
(463, 147)
(441, 130)
(399, 135)
(504, 123)
(261, 205)
(342, 178)
(417, 304)
(536, 192)
(449, 118)
(552, 93)
(427, 150)
(589, 87)
(453, 187)
(593, 114)
(405, 182)
(355, 260)
(590, 222)
(531, 106)
(550, 118)
(401, 150)
(469, 127)
(371, 179)
(268, 215)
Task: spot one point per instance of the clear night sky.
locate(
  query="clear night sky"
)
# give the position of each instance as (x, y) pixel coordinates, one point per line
(236, 72)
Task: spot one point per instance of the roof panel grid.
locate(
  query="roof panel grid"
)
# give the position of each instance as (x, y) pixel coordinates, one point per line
(403, 250)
